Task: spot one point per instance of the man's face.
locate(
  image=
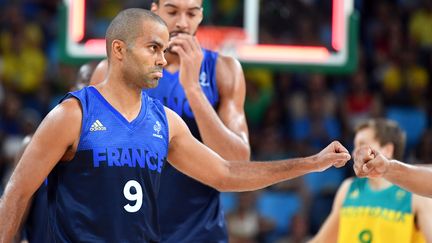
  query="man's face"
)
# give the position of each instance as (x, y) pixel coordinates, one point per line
(366, 137)
(144, 58)
(181, 16)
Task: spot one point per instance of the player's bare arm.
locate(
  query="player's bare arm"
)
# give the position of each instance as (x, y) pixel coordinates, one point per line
(422, 207)
(329, 230)
(370, 163)
(228, 124)
(411, 177)
(56, 138)
(197, 161)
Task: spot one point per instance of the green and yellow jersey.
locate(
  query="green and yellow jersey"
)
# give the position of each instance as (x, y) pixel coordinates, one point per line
(377, 216)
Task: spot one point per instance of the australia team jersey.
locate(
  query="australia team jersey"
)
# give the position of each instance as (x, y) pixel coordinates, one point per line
(190, 211)
(377, 216)
(108, 191)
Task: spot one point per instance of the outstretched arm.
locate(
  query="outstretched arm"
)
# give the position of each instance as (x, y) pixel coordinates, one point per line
(370, 163)
(199, 162)
(330, 229)
(46, 148)
(225, 130)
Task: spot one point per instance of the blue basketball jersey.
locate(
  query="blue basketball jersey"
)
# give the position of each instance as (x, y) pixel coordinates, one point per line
(108, 191)
(189, 210)
(36, 224)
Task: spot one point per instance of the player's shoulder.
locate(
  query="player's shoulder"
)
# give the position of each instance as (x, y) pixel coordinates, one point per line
(346, 184)
(175, 122)
(421, 201)
(71, 104)
(229, 75)
(227, 63)
(342, 192)
(348, 181)
(69, 110)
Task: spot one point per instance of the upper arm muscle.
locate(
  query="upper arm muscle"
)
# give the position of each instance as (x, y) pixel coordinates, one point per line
(58, 131)
(232, 90)
(190, 156)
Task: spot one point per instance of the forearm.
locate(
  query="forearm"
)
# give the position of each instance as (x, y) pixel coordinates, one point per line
(257, 175)
(214, 133)
(413, 178)
(11, 214)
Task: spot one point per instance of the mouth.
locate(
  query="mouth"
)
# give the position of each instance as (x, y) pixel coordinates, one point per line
(176, 33)
(158, 74)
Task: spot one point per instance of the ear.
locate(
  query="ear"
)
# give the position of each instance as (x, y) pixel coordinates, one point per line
(388, 150)
(118, 49)
(154, 7)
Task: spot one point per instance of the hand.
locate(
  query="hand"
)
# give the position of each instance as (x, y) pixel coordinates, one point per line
(335, 154)
(191, 56)
(368, 162)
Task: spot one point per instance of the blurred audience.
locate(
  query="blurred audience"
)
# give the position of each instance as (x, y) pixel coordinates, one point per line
(289, 113)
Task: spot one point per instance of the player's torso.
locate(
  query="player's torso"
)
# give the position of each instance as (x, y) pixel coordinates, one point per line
(107, 193)
(377, 216)
(190, 210)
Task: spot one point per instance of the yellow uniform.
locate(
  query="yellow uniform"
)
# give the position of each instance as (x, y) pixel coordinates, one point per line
(377, 216)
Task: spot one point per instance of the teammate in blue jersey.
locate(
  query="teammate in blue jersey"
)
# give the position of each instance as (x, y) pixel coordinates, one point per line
(207, 90)
(104, 148)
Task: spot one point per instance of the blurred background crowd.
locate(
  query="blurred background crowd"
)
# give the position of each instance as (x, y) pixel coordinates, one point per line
(289, 114)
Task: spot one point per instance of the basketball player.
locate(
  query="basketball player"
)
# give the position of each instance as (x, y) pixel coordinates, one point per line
(104, 149)
(374, 210)
(369, 162)
(207, 90)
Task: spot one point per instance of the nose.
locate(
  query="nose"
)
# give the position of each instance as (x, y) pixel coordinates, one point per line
(181, 22)
(161, 61)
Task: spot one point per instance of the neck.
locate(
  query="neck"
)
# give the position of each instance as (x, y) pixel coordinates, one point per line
(122, 94)
(379, 183)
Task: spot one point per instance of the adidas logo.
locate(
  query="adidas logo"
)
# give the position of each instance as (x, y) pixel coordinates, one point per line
(97, 126)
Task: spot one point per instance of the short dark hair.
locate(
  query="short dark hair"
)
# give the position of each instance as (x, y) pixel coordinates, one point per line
(125, 26)
(157, 2)
(387, 131)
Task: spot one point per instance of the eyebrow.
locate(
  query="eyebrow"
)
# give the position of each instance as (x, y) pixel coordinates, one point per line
(174, 6)
(155, 42)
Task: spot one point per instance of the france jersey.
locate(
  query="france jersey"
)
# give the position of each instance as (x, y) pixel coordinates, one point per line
(35, 226)
(189, 210)
(108, 191)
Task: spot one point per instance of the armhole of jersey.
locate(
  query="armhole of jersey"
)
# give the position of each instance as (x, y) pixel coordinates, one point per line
(215, 56)
(210, 63)
(354, 183)
(72, 95)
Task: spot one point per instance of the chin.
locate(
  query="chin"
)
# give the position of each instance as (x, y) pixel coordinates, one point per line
(152, 84)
